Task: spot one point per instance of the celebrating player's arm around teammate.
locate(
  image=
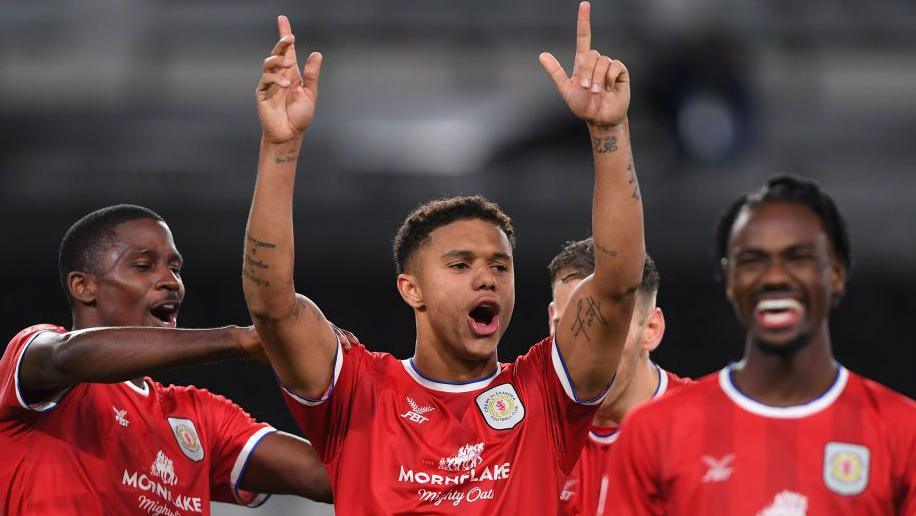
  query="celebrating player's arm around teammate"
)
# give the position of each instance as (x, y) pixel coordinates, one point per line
(787, 430)
(83, 431)
(451, 429)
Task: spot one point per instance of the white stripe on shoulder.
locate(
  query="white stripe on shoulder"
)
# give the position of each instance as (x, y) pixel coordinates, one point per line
(559, 367)
(42, 406)
(338, 365)
(794, 412)
(241, 463)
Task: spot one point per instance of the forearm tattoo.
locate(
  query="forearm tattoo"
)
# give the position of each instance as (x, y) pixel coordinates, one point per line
(253, 264)
(632, 181)
(588, 312)
(288, 158)
(606, 251)
(604, 144)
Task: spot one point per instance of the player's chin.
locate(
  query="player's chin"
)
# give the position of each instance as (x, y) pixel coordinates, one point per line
(480, 348)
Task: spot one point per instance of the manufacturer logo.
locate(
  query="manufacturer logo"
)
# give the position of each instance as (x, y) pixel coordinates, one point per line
(501, 407)
(186, 434)
(415, 414)
(120, 416)
(164, 469)
(568, 492)
(467, 457)
(719, 470)
(846, 468)
(786, 503)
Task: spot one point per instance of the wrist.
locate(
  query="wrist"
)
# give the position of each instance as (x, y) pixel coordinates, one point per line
(271, 145)
(599, 129)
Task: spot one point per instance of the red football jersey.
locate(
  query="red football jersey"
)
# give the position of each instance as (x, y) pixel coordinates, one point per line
(710, 449)
(119, 449)
(396, 442)
(586, 491)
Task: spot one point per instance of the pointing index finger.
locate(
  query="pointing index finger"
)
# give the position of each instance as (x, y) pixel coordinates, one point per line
(583, 30)
(283, 26)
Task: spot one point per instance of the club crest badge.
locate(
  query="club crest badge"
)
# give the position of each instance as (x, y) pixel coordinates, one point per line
(186, 434)
(501, 407)
(846, 468)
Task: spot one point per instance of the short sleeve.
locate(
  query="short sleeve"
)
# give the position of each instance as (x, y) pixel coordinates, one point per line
(12, 402)
(233, 435)
(324, 421)
(634, 470)
(568, 418)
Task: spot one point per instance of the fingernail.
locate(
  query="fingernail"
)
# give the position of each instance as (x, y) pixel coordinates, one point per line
(596, 88)
(586, 82)
(284, 83)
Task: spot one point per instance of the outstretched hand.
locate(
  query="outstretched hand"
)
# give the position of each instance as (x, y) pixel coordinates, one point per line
(599, 89)
(286, 99)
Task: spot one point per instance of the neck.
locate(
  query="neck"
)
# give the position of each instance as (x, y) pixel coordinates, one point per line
(793, 379)
(644, 384)
(83, 320)
(436, 359)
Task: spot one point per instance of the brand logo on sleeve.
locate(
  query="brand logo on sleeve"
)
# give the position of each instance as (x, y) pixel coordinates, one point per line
(846, 468)
(415, 414)
(186, 434)
(501, 407)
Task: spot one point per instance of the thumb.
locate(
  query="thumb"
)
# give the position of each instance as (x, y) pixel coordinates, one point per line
(553, 68)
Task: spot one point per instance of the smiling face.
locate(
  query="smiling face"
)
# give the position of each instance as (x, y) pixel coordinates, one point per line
(138, 280)
(782, 275)
(461, 282)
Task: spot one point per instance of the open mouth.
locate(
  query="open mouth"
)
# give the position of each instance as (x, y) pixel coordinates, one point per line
(483, 318)
(778, 314)
(166, 312)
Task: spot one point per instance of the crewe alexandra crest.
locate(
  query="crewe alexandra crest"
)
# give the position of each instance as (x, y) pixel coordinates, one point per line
(846, 468)
(501, 407)
(186, 434)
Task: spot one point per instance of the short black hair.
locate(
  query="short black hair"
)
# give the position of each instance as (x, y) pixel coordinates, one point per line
(577, 259)
(431, 215)
(792, 189)
(88, 237)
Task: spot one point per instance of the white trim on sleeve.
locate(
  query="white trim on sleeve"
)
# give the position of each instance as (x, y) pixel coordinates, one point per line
(559, 367)
(338, 364)
(42, 406)
(241, 463)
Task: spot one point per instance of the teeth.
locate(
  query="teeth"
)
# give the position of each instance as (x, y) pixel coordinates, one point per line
(778, 304)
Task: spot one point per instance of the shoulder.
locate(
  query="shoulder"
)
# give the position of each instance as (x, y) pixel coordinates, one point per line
(539, 351)
(890, 405)
(680, 399)
(27, 334)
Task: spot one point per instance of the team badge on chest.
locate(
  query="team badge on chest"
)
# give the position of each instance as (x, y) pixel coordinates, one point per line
(186, 434)
(501, 407)
(846, 468)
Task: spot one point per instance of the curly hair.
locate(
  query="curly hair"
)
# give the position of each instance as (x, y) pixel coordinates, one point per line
(431, 215)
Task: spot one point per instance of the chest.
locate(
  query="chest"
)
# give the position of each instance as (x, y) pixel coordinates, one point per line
(755, 465)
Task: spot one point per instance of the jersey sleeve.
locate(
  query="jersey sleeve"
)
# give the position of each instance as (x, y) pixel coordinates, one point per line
(233, 436)
(324, 421)
(12, 402)
(634, 470)
(568, 417)
(905, 454)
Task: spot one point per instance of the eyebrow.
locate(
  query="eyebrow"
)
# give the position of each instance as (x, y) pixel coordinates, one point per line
(176, 256)
(468, 255)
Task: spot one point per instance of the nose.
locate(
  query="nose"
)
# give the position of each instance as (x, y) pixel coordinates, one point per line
(169, 280)
(484, 279)
(776, 274)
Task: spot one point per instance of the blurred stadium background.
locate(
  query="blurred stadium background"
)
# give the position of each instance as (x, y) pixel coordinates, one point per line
(151, 102)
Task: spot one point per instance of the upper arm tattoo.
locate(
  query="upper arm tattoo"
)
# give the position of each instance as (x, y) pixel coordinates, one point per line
(588, 312)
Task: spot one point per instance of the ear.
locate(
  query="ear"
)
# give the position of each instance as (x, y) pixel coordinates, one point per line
(82, 287)
(654, 330)
(723, 273)
(551, 313)
(410, 291)
(837, 281)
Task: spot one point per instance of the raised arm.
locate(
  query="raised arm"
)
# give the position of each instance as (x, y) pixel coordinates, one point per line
(593, 329)
(298, 339)
(107, 355)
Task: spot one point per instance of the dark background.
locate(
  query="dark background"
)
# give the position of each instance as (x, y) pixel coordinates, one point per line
(150, 102)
